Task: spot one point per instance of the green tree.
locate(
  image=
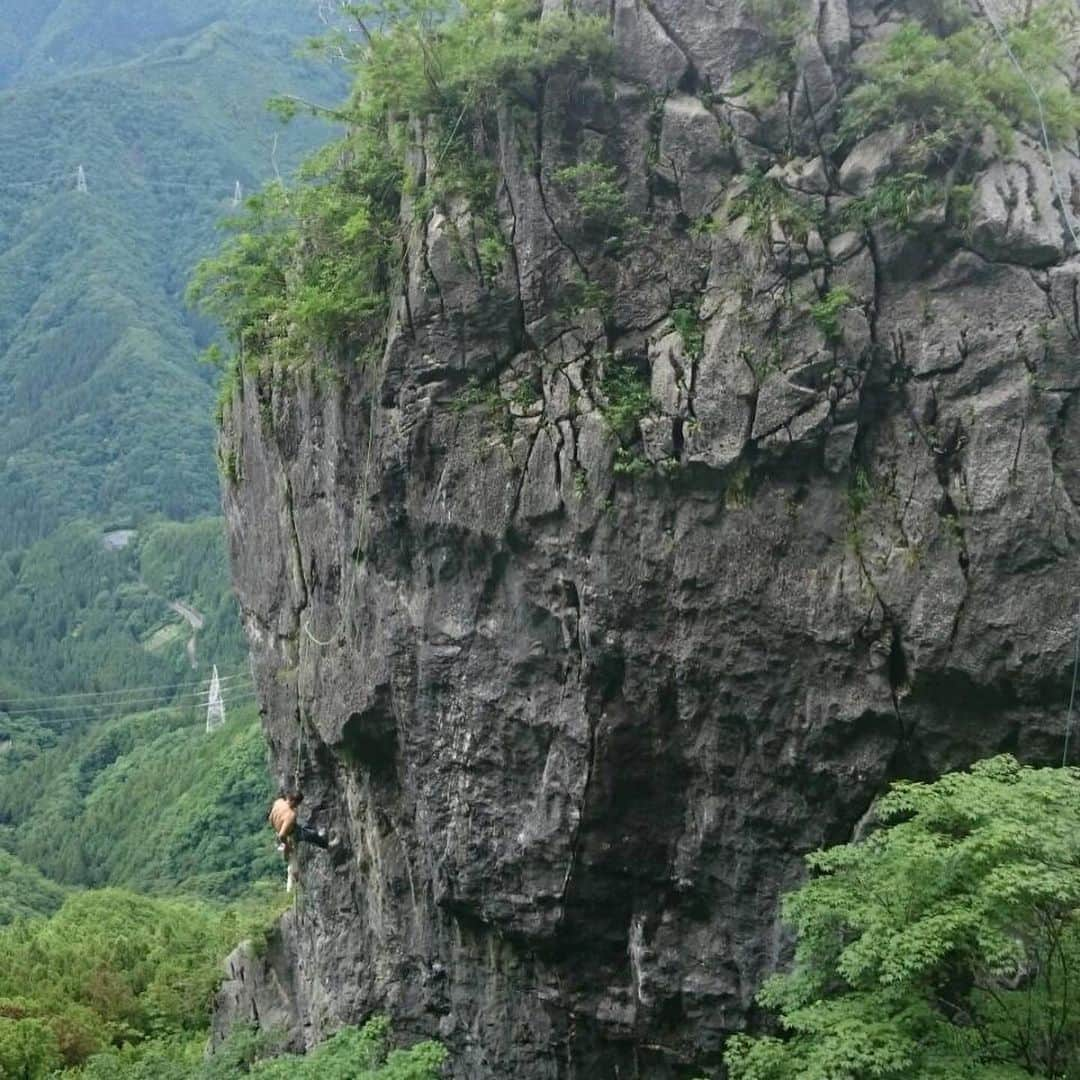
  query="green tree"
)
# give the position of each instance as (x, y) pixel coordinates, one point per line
(945, 945)
(358, 1054)
(28, 1049)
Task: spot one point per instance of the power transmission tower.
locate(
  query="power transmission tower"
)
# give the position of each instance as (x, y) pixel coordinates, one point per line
(238, 194)
(80, 180)
(215, 710)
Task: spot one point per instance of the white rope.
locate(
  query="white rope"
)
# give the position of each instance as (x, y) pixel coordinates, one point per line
(343, 555)
(1058, 190)
(323, 644)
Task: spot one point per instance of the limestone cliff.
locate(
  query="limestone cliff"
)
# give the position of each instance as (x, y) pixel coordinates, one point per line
(579, 699)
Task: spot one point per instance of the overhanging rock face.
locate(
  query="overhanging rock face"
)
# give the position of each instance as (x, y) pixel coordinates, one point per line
(579, 708)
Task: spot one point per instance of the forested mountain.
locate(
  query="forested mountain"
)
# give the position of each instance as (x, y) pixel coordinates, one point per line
(125, 131)
(79, 614)
(148, 801)
(103, 409)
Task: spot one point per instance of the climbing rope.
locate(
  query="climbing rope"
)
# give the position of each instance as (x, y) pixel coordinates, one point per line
(343, 555)
(1072, 695)
(299, 754)
(347, 594)
(1058, 190)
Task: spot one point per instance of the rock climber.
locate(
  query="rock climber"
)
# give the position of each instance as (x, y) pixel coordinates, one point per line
(284, 821)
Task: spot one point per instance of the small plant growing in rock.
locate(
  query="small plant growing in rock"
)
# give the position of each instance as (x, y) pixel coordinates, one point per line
(860, 493)
(491, 253)
(600, 199)
(780, 23)
(525, 395)
(737, 492)
(895, 201)
(477, 392)
(628, 400)
(764, 201)
(582, 295)
(688, 324)
(827, 312)
(706, 225)
(959, 206)
(761, 85)
(627, 463)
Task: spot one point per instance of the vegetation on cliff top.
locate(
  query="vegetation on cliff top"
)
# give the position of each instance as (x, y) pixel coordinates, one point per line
(951, 87)
(312, 269)
(944, 945)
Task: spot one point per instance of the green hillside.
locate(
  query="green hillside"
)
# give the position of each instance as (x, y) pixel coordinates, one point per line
(148, 801)
(104, 411)
(78, 617)
(115, 599)
(25, 891)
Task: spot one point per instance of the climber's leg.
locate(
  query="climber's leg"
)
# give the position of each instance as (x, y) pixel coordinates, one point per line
(311, 836)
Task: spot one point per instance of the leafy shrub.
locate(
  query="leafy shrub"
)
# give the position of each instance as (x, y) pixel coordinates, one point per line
(762, 83)
(29, 1049)
(764, 201)
(689, 327)
(312, 268)
(24, 891)
(946, 944)
(628, 400)
(780, 23)
(949, 88)
(109, 966)
(600, 198)
(491, 252)
(358, 1054)
(827, 312)
(895, 201)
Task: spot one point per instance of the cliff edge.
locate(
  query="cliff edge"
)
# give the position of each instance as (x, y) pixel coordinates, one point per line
(653, 545)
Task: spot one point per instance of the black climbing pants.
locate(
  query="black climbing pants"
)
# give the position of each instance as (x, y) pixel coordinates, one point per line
(310, 836)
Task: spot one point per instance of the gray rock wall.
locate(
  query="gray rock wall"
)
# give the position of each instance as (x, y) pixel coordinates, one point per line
(578, 727)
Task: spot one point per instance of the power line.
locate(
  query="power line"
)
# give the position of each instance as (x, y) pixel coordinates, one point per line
(195, 699)
(158, 687)
(63, 723)
(191, 695)
(57, 722)
(135, 183)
